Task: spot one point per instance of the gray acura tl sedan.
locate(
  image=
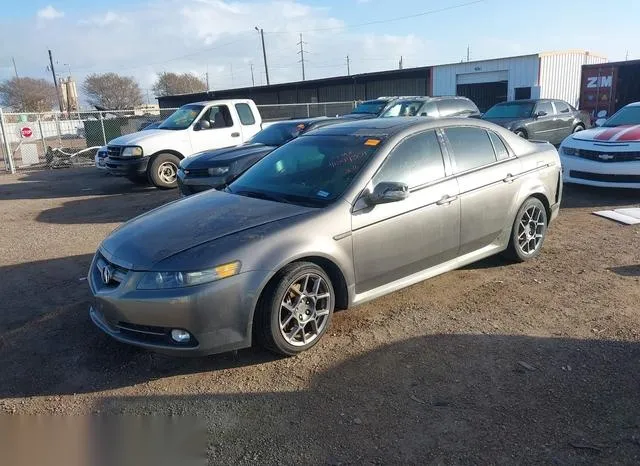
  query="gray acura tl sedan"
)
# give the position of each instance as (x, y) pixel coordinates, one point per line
(334, 218)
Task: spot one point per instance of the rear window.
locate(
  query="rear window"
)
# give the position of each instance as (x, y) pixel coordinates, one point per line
(561, 107)
(245, 114)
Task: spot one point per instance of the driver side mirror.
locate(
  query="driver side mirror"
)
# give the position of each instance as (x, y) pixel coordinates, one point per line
(387, 191)
(202, 124)
(540, 113)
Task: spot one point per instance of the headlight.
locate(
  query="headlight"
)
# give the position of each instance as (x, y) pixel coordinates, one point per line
(218, 171)
(570, 151)
(133, 151)
(165, 280)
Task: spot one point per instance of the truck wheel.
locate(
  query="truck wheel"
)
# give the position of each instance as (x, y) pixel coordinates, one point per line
(163, 171)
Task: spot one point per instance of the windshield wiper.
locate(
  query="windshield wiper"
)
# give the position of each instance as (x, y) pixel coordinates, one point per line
(264, 196)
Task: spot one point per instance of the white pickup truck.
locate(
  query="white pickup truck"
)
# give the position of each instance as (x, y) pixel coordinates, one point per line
(155, 154)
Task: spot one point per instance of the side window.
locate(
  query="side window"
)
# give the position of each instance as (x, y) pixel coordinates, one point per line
(471, 147)
(447, 107)
(429, 109)
(545, 107)
(415, 161)
(499, 147)
(245, 114)
(561, 107)
(220, 117)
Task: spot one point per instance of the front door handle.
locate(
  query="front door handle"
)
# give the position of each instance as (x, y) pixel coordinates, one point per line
(446, 200)
(235, 135)
(509, 178)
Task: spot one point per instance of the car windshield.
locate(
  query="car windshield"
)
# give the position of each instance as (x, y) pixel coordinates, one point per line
(182, 118)
(278, 133)
(626, 116)
(510, 110)
(310, 170)
(404, 108)
(371, 107)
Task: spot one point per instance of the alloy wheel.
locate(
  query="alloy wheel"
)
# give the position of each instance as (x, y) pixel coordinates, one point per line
(168, 172)
(531, 229)
(304, 310)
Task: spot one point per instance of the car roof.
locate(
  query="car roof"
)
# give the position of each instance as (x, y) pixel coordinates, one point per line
(633, 104)
(526, 101)
(381, 127)
(426, 98)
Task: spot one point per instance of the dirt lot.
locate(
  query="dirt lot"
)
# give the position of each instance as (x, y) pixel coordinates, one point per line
(496, 363)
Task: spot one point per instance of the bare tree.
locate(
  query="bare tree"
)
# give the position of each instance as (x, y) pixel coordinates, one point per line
(112, 91)
(28, 94)
(174, 83)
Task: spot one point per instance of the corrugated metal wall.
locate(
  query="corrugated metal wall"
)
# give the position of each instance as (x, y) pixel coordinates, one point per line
(560, 74)
(522, 72)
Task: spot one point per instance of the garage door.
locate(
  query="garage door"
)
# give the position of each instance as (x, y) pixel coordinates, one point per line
(485, 77)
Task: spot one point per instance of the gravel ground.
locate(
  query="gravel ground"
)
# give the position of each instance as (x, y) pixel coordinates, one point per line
(496, 363)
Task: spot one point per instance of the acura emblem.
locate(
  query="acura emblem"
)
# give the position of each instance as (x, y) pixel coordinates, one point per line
(107, 274)
(605, 156)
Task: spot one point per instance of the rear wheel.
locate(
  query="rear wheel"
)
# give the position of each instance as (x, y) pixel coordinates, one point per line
(163, 171)
(295, 311)
(578, 128)
(528, 231)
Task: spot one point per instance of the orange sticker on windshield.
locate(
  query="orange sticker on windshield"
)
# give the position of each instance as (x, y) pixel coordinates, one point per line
(372, 142)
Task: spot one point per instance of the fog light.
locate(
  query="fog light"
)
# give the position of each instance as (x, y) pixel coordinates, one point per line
(180, 336)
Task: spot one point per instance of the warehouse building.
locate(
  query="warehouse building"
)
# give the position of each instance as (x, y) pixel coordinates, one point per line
(486, 82)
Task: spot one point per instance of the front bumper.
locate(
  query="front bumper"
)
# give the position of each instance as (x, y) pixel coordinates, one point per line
(218, 315)
(134, 166)
(189, 185)
(604, 174)
(101, 162)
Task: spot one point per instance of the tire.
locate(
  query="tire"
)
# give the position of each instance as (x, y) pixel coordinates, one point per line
(289, 332)
(521, 133)
(578, 128)
(526, 240)
(163, 171)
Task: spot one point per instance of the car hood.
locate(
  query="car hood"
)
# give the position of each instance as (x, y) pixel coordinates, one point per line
(224, 156)
(181, 225)
(137, 139)
(620, 134)
(505, 122)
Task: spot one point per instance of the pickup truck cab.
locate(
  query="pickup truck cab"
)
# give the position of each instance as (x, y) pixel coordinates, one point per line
(155, 154)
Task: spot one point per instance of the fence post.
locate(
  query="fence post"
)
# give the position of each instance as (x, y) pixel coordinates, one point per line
(104, 135)
(44, 142)
(308, 114)
(58, 131)
(9, 156)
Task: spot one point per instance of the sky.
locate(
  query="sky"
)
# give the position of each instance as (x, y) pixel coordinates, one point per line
(140, 38)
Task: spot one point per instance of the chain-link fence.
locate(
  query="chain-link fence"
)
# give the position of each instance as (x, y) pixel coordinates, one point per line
(59, 140)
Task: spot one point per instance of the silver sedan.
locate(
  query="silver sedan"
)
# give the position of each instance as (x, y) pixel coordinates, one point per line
(335, 218)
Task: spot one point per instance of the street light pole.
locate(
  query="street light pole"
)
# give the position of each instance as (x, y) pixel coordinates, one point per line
(264, 53)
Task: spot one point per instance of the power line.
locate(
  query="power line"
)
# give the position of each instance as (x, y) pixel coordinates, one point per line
(382, 21)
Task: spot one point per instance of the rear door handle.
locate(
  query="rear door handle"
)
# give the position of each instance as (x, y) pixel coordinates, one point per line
(509, 178)
(235, 135)
(446, 200)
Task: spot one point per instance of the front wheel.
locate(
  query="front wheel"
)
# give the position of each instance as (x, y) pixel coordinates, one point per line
(163, 171)
(295, 310)
(528, 231)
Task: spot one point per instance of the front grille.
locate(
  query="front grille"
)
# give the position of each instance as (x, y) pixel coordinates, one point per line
(117, 275)
(607, 157)
(604, 178)
(114, 151)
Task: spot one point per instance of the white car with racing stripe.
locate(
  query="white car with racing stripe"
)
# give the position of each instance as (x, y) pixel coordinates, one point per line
(608, 156)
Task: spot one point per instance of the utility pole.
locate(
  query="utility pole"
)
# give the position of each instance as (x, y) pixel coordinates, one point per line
(301, 52)
(264, 53)
(253, 81)
(207, 77)
(55, 81)
(468, 53)
(348, 68)
(626, 58)
(15, 69)
(400, 64)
